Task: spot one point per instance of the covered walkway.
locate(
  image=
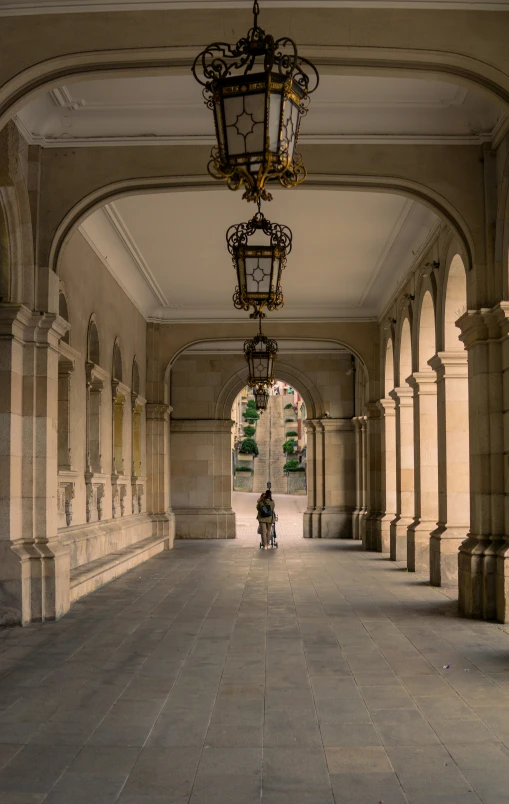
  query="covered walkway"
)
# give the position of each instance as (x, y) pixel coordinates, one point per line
(219, 674)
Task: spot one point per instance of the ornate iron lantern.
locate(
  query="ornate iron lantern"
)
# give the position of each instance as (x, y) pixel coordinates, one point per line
(260, 353)
(259, 264)
(261, 396)
(258, 90)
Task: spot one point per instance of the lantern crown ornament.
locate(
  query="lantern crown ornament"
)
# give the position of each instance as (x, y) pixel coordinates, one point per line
(259, 265)
(258, 90)
(260, 353)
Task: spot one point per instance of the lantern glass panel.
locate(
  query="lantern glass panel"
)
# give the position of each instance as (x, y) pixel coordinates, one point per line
(259, 275)
(244, 115)
(276, 100)
(291, 115)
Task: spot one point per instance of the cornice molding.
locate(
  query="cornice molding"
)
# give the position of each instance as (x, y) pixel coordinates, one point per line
(304, 139)
(32, 7)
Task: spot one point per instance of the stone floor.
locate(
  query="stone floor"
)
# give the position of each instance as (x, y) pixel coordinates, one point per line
(221, 674)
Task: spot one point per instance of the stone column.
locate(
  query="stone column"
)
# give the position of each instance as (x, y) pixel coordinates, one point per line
(34, 566)
(403, 397)
(373, 477)
(338, 477)
(482, 571)
(425, 471)
(158, 471)
(363, 484)
(359, 490)
(388, 482)
(310, 479)
(453, 466)
(201, 475)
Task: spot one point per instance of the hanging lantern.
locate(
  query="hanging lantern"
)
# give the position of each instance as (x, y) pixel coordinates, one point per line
(258, 90)
(261, 396)
(260, 353)
(259, 264)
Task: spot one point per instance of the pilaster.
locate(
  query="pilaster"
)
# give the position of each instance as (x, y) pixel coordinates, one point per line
(388, 478)
(451, 370)
(158, 470)
(425, 471)
(311, 478)
(372, 478)
(403, 397)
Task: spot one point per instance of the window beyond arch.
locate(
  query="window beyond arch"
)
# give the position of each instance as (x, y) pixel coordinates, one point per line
(389, 368)
(93, 351)
(135, 388)
(117, 362)
(63, 312)
(405, 353)
(455, 303)
(427, 343)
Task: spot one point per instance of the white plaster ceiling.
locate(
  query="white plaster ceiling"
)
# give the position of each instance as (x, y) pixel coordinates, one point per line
(16, 7)
(345, 108)
(350, 251)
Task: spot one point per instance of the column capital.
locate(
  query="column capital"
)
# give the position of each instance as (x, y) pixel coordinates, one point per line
(158, 410)
(450, 364)
(403, 396)
(309, 424)
(387, 406)
(329, 425)
(424, 382)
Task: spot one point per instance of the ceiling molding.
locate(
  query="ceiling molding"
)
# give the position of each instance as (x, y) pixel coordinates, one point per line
(304, 139)
(31, 7)
(107, 265)
(419, 254)
(389, 245)
(122, 231)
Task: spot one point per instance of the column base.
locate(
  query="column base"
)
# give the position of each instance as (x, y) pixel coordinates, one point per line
(398, 539)
(373, 533)
(34, 582)
(444, 553)
(418, 546)
(356, 523)
(307, 524)
(163, 525)
(470, 576)
(502, 582)
(208, 523)
(385, 532)
(336, 524)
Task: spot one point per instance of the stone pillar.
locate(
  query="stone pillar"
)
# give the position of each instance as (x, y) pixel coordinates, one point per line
(388, 482)
(310, 478)
(453, 466)
(403, 397)
(201, 476)
(158, 471)
(359, 473)
(34, 566)
(482, 571)
(372, 478)
(363, 483)
(425, 471)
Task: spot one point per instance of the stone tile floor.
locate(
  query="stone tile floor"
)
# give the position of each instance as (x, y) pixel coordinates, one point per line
(221, 674)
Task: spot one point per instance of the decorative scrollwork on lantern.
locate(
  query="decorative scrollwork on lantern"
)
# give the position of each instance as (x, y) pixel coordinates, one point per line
(261, 396)
(256, 114)
(259, 265)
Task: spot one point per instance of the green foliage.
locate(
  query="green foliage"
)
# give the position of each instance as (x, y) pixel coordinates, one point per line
(249, 431)
(249, 447)
(288, 406)
(292, 465)
(288, 446)
(241, 468)
(251, 403)
(291, 433)
(251, 415)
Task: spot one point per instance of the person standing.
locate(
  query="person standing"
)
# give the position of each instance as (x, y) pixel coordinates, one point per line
(265, 516)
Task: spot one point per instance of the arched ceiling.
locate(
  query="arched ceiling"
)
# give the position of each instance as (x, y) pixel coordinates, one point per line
(350, 250)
